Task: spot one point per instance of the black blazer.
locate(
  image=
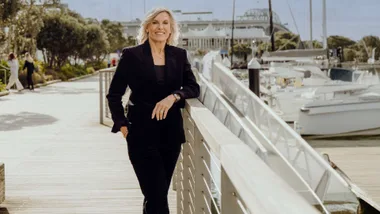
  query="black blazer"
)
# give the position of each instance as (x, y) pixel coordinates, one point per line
(136, 70)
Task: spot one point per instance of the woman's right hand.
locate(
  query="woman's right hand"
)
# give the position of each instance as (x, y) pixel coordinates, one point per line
(124, 131)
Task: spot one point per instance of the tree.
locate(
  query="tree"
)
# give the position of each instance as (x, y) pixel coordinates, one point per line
(61, 37)
(115, 36)
(77, 16)
(349, 54)
(287, 36)
(286, 40)
(28, 23)
(131, 41)
(283, 41)
(242, 51)
(339, 41)
(8, 10)
(370, 42)
(317, 44)
(96, 46)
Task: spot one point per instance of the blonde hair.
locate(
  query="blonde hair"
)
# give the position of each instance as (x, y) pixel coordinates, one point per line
(143, 35)
(28, 57)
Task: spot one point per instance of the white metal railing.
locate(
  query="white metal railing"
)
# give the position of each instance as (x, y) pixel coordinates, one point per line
(4, 70)
(218, 173)
(105, 78)
(310, 174)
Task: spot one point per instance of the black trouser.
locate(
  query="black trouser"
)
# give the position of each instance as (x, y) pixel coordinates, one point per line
(29, 78)
(154, 164)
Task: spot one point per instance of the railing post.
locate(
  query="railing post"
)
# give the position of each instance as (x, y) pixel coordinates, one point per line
(202, 176)
(101, 96)
(105, 91)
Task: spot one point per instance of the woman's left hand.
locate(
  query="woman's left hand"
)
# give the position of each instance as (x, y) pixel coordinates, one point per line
(162, 107)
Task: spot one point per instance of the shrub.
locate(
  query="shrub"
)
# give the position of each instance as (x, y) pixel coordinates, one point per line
(61, 76)
(50, 74)
(2, 72)
(97, 65)
(79, 70)
(68, 72)
(2, 86)
(37, 78)
(90, 70)
(40, 67)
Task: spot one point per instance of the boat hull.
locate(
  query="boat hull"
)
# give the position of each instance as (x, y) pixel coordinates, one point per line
(340, 119)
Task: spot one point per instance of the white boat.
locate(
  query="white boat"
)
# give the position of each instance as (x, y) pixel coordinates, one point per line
(292, 87)
(357, 114)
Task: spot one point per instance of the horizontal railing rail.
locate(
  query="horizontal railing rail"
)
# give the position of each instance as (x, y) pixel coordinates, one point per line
(311, 169)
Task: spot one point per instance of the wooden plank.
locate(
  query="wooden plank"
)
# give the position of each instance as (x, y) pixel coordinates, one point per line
(361, 164)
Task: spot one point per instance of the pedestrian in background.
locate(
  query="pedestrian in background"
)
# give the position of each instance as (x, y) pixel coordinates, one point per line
(29, 65)
(14, 67)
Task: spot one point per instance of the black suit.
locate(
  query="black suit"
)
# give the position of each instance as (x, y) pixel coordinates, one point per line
(153, 146)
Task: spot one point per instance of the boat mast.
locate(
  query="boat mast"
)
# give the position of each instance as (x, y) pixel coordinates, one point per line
(271, 24)
(311, 24)
(324, 24)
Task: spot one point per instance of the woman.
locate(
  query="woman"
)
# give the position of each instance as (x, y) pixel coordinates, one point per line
(14, 66)
(160, 78)
(30, 69)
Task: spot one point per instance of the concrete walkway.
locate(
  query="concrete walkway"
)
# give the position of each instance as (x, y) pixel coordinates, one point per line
(59, 159)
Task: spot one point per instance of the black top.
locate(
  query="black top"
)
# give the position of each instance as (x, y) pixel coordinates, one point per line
(29, 66)
(160, 73)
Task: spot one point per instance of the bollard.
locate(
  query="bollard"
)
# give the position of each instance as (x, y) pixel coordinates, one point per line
(254, 76)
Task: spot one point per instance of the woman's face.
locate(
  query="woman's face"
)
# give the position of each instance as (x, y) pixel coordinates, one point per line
(159, 29)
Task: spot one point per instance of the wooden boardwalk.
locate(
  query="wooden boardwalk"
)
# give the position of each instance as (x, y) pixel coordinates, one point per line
(59, 159)
(359, 159)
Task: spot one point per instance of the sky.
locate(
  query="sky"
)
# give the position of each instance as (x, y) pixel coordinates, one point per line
(350, 18)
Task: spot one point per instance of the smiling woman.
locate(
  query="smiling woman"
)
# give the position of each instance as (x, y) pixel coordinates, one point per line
(160, 78)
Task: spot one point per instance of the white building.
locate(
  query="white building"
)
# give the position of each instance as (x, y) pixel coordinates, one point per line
(212, 39)
(216, 34)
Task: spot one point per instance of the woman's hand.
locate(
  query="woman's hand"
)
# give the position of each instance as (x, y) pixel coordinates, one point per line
(124, 131)
(162, 107)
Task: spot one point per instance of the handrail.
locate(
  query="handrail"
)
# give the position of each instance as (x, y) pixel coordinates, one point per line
(313, 168)
(248, 184)
(5, 69)
(105, 77)
(230, 113)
